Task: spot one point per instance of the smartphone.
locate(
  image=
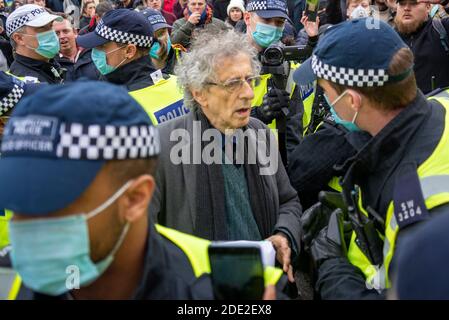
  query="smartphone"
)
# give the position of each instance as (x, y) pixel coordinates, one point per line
(312, 9)
(236, 272)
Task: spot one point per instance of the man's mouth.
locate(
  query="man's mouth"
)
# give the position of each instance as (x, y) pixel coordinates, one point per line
(243, 111)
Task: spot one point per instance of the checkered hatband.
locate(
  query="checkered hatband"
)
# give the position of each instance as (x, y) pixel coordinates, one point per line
(123, 37)
(9, 102)
(257, 5)
(96, 142)
(16, 24)
(349, 77)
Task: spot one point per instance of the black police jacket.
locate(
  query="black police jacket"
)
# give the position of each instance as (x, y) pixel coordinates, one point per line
(430, 57)
(50, 72)
(409, 139)
(134, 75)
(82, 68)
(167, 274)
(312, 162)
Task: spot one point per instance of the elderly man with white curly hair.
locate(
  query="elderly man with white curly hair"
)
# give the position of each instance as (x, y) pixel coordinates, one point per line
(220, 175)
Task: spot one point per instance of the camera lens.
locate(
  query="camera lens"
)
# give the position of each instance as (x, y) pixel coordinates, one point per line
(273, 56)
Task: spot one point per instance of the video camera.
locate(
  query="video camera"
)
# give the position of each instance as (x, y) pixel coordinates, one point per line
(277, 53)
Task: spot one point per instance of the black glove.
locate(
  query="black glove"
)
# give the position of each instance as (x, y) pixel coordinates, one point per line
(274, 105)
(329, 242)
(313, 220)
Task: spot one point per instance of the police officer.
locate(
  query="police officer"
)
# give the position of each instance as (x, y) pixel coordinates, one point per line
(162, 53)
(395, 180)
(277, 96)
(87, 236)
(11, 92)
(35, 44)
(120, 50)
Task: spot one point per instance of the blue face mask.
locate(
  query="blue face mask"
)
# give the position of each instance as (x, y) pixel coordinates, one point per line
(350, 125)
(46, 253)
(265, 35)
(156, 47)
(100, 61)
(48, 44)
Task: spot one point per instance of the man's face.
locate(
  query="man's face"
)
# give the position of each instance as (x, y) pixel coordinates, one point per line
(254, 19)
(353, 5)
(226, 108)
(410, 15)
(115, 53)
(2, 4)
(154, 4)
(251, 20)
(196, 5)
(27, 40)
(66, 35)
(104, 228)
(341, 107)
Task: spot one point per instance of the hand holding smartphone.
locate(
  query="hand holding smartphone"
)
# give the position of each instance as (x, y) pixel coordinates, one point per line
(312, 9)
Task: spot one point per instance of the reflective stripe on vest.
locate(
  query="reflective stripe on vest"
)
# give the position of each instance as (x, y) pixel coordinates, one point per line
(5, 216)
(9, 284)
(196, 250)
(434, 180)
(307, 94)
(334, 184)
(162, 101)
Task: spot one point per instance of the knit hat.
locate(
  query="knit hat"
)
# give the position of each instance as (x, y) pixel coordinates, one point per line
(236, 4)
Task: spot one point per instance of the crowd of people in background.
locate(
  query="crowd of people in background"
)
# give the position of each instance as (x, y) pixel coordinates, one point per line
(364, 99)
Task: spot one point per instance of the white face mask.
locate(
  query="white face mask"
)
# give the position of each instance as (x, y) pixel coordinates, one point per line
(360, 12)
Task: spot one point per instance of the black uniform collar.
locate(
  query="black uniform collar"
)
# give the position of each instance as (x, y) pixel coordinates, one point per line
(50, 68)
(168, 273)
(154, 277)
(134, 75)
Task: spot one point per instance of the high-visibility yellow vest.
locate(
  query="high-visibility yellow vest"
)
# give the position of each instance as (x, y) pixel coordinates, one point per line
(9, 280)
(10, 284)
(307, 94)
(196, 250)
(433, 174)
(162, 101)
(5, 216)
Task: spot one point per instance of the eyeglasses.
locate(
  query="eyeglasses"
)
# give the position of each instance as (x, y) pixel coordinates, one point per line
(236, 84)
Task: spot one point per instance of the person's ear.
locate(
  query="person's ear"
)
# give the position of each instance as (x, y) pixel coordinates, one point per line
(200, 97)
(136, 200)
(356, 100)
(18, 38)
(131, 51)
(247, 18)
